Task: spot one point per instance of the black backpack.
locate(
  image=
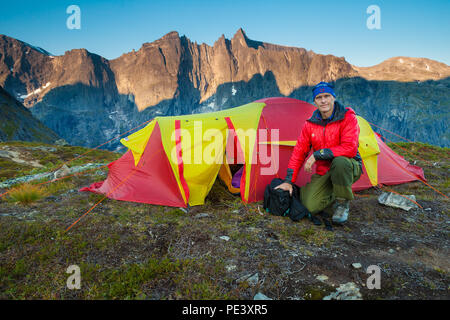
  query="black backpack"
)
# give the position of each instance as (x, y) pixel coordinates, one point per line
(279, 202)
(298, 210)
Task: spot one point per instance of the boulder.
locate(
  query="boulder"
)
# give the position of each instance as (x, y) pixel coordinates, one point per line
(62, 172)
(260, 296)
(347, 291)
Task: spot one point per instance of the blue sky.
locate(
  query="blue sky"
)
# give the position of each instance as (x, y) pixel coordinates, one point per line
(110, 28)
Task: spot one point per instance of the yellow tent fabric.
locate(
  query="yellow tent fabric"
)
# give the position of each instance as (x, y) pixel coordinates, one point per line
(199, 153)
(368, 149)
(290, 143)
(137, 141)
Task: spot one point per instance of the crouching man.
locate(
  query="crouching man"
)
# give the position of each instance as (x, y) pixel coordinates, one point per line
(332, 132)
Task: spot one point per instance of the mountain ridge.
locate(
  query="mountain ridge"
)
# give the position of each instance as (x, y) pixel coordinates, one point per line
(173, 75)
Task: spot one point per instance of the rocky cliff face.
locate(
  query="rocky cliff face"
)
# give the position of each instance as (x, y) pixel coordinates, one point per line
(88, 100)
(83, 104)
(17, 122)
(173, 66)
(418, 111)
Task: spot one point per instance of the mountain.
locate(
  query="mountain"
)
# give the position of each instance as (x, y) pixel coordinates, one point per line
(173, 65)
(405, 69)
(88, 99)
(17, 122)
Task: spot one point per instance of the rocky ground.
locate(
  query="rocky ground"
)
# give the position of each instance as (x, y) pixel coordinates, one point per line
(221, 250)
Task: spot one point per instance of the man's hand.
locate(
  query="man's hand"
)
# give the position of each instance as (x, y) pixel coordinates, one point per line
(286, 187)
(309, 163)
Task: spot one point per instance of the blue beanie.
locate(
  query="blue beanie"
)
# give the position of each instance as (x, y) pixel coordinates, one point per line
(322, 87)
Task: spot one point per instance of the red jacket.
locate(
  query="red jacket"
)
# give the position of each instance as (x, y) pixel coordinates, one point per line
(330, 138)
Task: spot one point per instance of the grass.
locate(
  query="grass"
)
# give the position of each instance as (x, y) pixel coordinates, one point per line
(436, 166)
(420, 151)
(50, 160)
(26, 194)
(39, 270)
(61, 186)
(9, 169)
(129, 250)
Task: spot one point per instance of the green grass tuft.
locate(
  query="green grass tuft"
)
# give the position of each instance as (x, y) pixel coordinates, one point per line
(27, 194)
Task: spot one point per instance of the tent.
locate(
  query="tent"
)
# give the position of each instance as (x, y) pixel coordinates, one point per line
(174, 161)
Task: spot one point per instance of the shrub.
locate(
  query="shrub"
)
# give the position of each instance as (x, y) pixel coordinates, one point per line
(27, 193)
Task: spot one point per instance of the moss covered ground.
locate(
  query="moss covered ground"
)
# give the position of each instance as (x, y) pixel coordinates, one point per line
(130, 250)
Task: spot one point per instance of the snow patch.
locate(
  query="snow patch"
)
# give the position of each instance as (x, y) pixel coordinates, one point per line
(111, 114)
(428, 67)
(110, 133)
(37, 49)
(24, 96)
(212, 105)
(233, 90)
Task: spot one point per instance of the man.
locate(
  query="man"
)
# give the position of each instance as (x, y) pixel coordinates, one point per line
(333, 133)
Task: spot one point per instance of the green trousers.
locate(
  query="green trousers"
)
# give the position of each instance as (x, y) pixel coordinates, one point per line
(319, 194)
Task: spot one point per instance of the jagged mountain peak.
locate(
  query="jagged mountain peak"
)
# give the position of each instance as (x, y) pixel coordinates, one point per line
(241, 37)
(240, 33)
(167, 39)
(171, 35)
(221, 41)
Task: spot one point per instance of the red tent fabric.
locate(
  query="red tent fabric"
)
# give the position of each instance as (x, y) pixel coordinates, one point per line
(151, 181)
(392, 169)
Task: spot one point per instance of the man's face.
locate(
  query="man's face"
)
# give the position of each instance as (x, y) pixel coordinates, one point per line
(324, 102)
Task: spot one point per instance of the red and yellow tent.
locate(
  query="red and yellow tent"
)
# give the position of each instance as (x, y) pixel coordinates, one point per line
(174, 161)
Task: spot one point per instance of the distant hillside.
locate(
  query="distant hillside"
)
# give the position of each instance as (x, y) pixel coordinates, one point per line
(405, 69)
(17, 122)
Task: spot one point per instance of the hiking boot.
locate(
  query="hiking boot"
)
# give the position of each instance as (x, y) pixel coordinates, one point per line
(326, 220)
(341, 211)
